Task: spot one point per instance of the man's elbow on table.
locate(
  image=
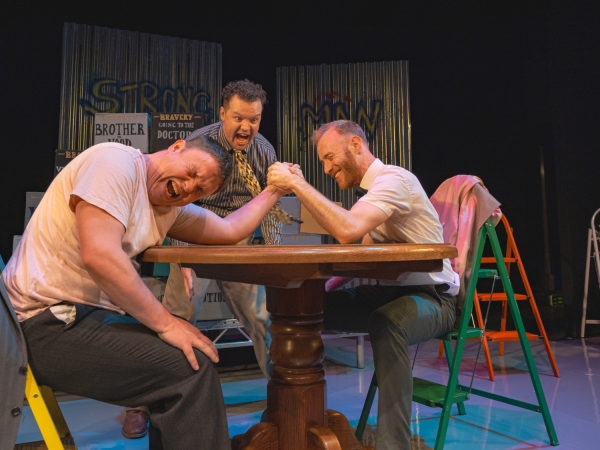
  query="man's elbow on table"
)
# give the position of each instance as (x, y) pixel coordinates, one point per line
(347, 236)
(359, 221)
(231, 240)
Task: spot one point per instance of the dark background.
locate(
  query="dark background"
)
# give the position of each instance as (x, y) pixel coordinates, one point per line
(491, 83)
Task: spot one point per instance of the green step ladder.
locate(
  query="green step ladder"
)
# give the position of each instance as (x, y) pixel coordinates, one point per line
(437, 395)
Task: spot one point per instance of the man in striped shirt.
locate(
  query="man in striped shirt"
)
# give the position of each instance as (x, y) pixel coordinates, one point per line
(243, 102)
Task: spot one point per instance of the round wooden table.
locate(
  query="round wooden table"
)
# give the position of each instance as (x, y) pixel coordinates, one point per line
(295, 277)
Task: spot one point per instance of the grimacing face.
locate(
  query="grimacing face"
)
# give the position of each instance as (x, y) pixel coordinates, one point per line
(178, 177)
(338, 153)
(241, 121)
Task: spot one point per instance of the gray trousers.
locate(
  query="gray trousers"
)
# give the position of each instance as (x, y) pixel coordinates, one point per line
(248, 302)
(395, 318)
(115, 359)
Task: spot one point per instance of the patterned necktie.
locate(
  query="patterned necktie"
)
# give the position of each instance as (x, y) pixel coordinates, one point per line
(247, 174)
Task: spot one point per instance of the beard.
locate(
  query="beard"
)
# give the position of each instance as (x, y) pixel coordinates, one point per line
(351, 172)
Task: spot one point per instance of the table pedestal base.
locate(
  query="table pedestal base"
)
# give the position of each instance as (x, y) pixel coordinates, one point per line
(337, 435)
(297, 391)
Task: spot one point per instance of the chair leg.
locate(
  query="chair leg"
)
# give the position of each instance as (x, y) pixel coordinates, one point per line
(536, 312)
(55, 412)
(454, 366)
(542, 330)
(503, 326)
(364, 415)
(41, 413)
(460, 343)
(509, 248)
(512, 245)
(514, 310)
(551, 356)
(486, 350)
(488, 359)
(448, 347)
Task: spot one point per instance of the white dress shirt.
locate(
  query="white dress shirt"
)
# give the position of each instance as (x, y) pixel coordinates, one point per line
(411, 219)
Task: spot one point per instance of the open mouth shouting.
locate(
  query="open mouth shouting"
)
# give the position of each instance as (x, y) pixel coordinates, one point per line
(242, 139)
(172, 189)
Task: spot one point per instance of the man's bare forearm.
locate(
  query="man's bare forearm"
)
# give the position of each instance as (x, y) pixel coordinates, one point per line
(212, 229)
(247, 219)
(337, 221)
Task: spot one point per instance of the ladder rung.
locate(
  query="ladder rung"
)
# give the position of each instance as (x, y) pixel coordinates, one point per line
(504, 336)
(487, 273)
(433, 394)
(500, 398)
(596, 322)
(491, 259)
(472, 333)
(499, 296)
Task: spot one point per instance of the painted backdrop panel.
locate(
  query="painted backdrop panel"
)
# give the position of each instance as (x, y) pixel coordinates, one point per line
(375, 95)
(106, 70)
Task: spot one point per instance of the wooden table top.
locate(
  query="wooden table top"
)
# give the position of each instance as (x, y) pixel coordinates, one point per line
(298, 254)
(287, 266)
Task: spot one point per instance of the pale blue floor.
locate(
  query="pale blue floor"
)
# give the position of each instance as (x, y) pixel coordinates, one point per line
(573, 401)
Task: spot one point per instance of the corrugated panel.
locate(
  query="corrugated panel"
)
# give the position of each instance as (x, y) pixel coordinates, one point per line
(375, 95)
(114, 71)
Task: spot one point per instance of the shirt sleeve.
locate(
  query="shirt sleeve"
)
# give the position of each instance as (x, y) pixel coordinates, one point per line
(107, 179)
(186, 216)
(390, 192)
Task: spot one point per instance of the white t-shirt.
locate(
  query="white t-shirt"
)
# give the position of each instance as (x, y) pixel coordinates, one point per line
(411, 219)
(46, 267)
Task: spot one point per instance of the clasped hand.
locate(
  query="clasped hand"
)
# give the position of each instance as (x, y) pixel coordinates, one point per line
(283, 175)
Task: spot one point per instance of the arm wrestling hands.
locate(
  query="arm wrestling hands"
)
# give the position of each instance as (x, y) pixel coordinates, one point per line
(247, 218)
(345, 226)
(100, 236)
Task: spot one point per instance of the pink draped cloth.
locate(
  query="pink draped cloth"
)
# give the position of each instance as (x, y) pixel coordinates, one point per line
(463, 205)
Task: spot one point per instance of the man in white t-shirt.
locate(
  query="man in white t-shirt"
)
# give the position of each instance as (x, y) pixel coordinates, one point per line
(92, 327)
(418, 306)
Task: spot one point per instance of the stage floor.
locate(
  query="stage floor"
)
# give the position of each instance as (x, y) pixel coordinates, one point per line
(573, 400)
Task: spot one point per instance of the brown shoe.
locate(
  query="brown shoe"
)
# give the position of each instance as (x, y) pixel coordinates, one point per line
(135, 425)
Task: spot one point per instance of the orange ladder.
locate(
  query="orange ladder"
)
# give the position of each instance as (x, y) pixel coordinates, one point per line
(502, 336)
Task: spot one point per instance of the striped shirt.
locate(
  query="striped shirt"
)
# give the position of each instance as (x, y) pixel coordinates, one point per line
(260, 155)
